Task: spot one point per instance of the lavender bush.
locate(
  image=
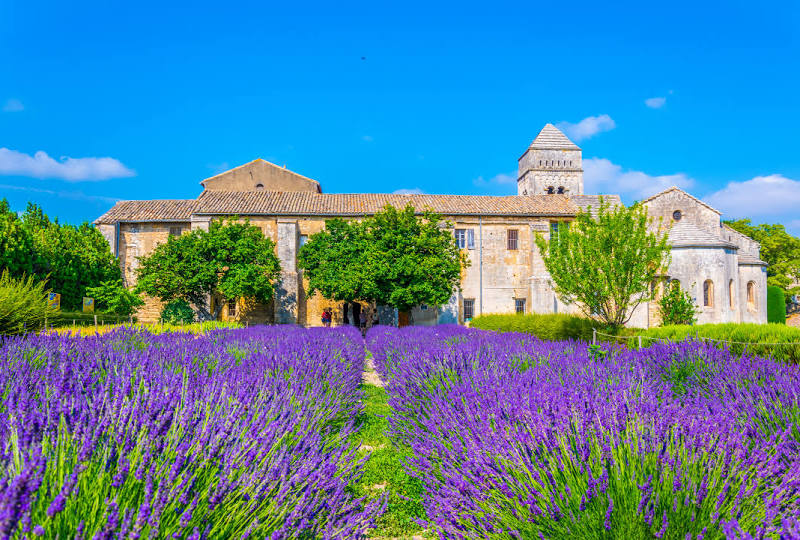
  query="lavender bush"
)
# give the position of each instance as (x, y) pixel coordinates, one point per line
(236, 433)
(516, 437)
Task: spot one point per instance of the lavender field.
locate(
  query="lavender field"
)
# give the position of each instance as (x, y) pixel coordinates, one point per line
(513, 437)
(235, 433)
(256, 433)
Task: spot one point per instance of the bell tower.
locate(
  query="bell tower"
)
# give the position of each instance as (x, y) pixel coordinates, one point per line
(550, 165)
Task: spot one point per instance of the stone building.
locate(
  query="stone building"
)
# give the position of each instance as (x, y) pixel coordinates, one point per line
(719, 266)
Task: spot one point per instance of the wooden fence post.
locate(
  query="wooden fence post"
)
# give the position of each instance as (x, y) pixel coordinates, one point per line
(640, 342)
(594, 336)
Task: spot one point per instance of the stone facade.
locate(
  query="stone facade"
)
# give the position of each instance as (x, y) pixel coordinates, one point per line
(506, 271)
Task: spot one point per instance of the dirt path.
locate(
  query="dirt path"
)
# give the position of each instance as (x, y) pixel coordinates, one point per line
(371, 376)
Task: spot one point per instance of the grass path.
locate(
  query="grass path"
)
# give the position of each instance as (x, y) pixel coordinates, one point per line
(384, 473)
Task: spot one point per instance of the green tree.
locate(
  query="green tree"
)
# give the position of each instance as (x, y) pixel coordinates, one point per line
(16, 243)
(676, 305)
(394, 258)
(69, 258)
(232, 260)
(412, 260)
(113, 297)
(334, 262)
(779, 249)
(608, 264)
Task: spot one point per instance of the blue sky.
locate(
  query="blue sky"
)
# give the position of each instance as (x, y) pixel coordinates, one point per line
(102, 101)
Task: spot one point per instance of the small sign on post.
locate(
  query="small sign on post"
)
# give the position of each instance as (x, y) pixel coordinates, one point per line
(88, 304)
(54, 300)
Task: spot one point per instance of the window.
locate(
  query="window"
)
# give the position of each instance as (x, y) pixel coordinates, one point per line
(540, 163)
(512, 239)
(731, 293)
(560, 190)
(303, 239)
(461, 238)
(551, 190)
(232, 307)
(519, 305)
(175, 231)
(554, 230)
(470, 238)
(751, 295)
(708, 293)
(677, 215)
(469, 309)
(259, 186)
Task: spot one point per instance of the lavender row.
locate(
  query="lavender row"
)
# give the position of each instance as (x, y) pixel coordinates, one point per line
(517, 437)
(131, 435)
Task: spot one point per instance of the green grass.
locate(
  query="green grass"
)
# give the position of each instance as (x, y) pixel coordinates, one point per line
(384, 472)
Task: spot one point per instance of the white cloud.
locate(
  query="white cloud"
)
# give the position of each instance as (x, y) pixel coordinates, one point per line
(602, 176)
(588, 127)
(40, 165)
(655, 102)
(13, 105)
(406, 191)
(763, 197)
(498, 179)
(71, 195)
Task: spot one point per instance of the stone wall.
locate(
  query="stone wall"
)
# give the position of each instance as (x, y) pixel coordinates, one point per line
(665, 205)
(540, 169)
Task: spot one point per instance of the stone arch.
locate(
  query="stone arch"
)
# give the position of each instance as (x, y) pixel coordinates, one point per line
(751, 295)
(708, 293)
(731, 294)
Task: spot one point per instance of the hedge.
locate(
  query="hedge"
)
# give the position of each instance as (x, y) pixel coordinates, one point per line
(749, 338)
(552, 327)
(776, 305)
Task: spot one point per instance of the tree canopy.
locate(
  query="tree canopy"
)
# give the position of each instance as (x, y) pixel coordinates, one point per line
(779, 249)
(71, 258)
(232, 260)
(394, 258)
(606, 264)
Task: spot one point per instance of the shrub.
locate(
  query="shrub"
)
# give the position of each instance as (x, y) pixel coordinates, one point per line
(552, 326)
(676, 306)
(115, 298)
(177, 312)
(776, 305)
(747, 338)
(23, 304)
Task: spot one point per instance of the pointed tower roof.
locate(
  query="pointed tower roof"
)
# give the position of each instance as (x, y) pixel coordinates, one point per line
(551, 138)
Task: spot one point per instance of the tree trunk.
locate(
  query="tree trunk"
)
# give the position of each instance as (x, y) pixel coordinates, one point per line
(345, 319)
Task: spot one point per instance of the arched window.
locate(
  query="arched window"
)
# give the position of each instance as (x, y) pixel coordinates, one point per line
(751, 295)
(731, 294)
(561, 189)
(540, 163)
(708, 293)
(550, 190)
(259, 186)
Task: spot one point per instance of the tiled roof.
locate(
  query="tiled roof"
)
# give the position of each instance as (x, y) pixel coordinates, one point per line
(747, 259)
(684, 234)
(157, 210)
(346, 204)
(551, 138)
(592, 202)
